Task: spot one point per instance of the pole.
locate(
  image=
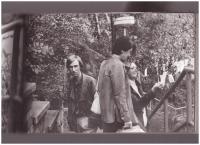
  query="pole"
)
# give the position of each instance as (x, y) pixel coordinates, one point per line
(189, 99)
(113, 30)
(62, 101)
(166, 115)
(17, 111)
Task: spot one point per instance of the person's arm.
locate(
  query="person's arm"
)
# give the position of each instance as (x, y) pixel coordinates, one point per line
(88, 95)
(151, 94)
(119, 91)
(146, 98)
(92, 89)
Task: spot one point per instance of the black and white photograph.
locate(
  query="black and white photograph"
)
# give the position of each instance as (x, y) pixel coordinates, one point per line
(99, 73)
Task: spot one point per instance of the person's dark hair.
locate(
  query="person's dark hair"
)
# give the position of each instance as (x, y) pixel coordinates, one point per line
(73, 57)
(123, 43)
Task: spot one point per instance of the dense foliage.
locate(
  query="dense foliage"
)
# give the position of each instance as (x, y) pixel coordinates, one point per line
(159, 37)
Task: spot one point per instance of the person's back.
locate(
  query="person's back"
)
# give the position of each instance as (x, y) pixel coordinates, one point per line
(108, 67)
(115, 102)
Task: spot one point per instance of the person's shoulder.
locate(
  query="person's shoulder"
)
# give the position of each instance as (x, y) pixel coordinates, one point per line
(89, 78)
(115, 61)
(105, 61)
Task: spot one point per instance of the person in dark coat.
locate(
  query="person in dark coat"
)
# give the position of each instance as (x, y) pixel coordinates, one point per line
(140, 99)
(80, 94)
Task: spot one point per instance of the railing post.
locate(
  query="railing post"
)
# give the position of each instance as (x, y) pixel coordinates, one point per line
(189, 98)
(172, 88)
(186, 71)
(166, 116)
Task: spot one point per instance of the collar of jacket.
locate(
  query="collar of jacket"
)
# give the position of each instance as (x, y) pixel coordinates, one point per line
(115, 56)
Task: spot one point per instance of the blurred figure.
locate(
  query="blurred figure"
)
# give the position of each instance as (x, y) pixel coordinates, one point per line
(114, 93)
(80, 95)
(139, 98)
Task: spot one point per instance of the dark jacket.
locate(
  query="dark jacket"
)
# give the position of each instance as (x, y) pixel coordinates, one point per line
(139, 103)
(79, 98)
(114, 92)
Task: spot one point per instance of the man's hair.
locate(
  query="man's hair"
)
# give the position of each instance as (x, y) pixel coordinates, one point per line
(123, 43)
(72, 57)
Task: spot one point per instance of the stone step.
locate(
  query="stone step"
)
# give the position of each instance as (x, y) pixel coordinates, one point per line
(50, 119)
(38, 109)
(36, 115)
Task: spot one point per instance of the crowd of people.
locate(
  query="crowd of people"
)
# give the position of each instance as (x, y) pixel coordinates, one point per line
(117, 93)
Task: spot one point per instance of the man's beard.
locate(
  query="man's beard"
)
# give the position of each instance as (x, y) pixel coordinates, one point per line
(75, 76)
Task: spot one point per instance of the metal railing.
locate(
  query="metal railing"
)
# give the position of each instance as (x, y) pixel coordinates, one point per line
(186, 72)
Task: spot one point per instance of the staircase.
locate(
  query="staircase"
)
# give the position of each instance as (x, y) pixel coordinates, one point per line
(183, 123)
(39, 118)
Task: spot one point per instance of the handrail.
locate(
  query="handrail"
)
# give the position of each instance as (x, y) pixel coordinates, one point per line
(179, 108)
(172, 88)
(11, 25)
(183, 125)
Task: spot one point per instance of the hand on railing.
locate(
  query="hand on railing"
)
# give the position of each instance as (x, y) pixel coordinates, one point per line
(157, 86)
(171, 89)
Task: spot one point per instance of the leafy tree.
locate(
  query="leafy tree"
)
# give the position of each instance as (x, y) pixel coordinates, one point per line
(159, 37)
